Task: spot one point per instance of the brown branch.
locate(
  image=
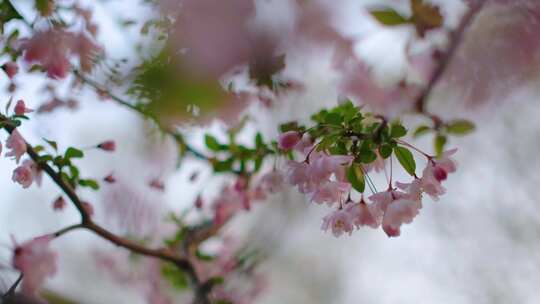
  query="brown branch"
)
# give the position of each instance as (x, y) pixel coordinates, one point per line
(86, 222)
(177, 137)
(456, 37)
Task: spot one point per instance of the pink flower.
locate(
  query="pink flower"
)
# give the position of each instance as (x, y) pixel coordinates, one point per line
(288, 140)
(330, 192)
(271, 182)
(21, 109)
(364, 215)
(59, 204)
(108, 145)
(399, 212)
(23, 175)
(11, 69)
(35, 261)
(437, 171)
(340, 221)
(50, 49)
(297, 174)
(16, 143)
(413, 189)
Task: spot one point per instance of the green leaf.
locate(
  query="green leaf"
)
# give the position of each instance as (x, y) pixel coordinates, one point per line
(52, 143)
(333, 119)
(259, 142)
(222, 166)
(385, 151)
(73, 153)
(203, 256)
(460, 127)
(398, 131)
(212, 143)
(421, 130)
(175, 276)
(406, 159)
(74, 172)
(8, 12)
(439, 143)
(367, 156)
(388, 16)
(90, 183)
(356, 177)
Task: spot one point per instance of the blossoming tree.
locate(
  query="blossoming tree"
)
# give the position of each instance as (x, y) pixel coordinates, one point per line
(206, 59)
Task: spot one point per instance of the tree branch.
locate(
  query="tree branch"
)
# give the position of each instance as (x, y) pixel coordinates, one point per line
(86, 222)
(456, 37)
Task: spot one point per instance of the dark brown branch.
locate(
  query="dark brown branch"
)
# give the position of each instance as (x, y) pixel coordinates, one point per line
(86, 222)
(456, 37)
(13, 287)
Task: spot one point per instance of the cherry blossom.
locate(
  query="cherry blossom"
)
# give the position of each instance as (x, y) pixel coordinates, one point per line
(23, 175)
(339, 221)
(399, 212)
(364, 214)
(36, 261)
(16, 143)
(437, 171)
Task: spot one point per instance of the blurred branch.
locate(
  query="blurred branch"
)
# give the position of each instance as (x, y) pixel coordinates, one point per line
(174, 134)
(456, 37)
(164, 254)
(11, 290)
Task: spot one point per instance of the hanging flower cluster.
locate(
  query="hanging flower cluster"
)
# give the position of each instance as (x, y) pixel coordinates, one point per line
(336, 158)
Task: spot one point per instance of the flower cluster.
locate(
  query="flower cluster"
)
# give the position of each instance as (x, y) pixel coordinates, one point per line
(336, 158)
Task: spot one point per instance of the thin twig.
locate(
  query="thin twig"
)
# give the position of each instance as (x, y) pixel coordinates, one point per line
(456, 37)
(86, 223)
(13, 287)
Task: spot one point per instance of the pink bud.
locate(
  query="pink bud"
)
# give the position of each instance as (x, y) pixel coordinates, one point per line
(199, 202)
(439, 173)
(11, 69)
(21, 109)
(59, 204)
(110, 179)
(108, 145)
(288, 140)
(157, 184)
(88, 208)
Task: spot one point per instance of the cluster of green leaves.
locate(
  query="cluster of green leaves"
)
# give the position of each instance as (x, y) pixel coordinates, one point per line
(232, 156)
(65, 166)
(345, 130)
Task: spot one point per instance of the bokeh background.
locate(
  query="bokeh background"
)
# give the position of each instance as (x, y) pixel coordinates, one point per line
(478, 244)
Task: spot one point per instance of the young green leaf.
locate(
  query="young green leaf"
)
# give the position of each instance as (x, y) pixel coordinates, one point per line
(388, 16)
(398, 131)
(406, 159)
(439, 143)
(356, 177)
(460, 127)
(211, 142)
(73, 153)
(421, 130)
